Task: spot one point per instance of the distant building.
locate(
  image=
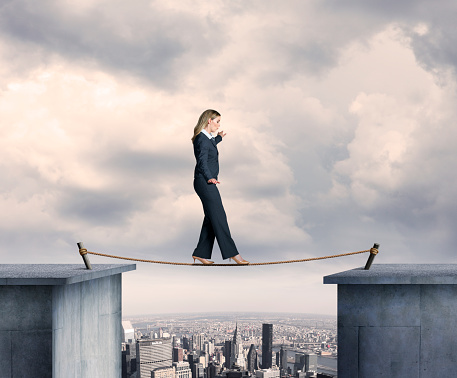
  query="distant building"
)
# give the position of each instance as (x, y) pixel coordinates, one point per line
(234, 373)
(198, 341)
(177, 355)
(237, 357)
(310, 374)
(299, 364)
(324, 375)
(192, 358)
(152, 355)
(306, 362)
(267, 346)
(126, 361)
(208, 347)
(213, 370)
(310, 362)
(220, 357)
(165, 372)
(283, 361)
(198, 371)
(203, 359)
(185, 343)
(253, 363)
(228, 353)
(268, 373)
(128, 332)
(182, 370)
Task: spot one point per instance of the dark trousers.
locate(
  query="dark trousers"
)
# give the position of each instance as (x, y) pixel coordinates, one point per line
(214, 224)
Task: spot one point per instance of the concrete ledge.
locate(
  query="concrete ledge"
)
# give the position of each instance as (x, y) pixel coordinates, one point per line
(397, 321)
(397, 274)
(61, 320)
(57, 274)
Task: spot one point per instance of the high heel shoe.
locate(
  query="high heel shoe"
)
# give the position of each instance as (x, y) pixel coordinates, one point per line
(239, 260)
(202, 260)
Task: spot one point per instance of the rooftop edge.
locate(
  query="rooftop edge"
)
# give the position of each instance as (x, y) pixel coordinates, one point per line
(57, 274)
(400, 274)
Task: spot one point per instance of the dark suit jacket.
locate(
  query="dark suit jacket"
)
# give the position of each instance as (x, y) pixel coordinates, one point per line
(206, 154)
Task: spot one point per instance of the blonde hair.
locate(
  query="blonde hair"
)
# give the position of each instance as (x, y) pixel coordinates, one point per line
(203, 121)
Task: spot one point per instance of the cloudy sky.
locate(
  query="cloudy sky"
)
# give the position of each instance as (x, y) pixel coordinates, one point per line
(341, 129)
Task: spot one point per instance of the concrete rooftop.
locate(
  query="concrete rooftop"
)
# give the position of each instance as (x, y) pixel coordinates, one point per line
(412, 274)
(57, 274)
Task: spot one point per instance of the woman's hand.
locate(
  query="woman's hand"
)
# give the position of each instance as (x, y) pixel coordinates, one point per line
(222, 134)
(213, 181)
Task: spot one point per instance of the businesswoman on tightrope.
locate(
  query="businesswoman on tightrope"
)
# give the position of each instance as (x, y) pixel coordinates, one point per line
(205, 179)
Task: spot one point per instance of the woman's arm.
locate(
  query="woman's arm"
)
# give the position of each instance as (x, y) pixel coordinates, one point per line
(201, 153)
(219, 136)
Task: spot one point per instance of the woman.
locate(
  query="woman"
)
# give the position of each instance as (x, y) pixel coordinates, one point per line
(205, 180)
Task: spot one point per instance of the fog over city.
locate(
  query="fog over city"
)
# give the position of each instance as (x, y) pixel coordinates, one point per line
(340, 120)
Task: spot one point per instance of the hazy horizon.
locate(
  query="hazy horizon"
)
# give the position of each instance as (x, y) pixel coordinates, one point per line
(210, 314)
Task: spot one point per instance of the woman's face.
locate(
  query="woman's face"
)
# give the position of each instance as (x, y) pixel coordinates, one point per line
(214, 124)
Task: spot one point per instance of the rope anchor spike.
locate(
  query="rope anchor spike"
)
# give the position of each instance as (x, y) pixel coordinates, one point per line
(373, 252)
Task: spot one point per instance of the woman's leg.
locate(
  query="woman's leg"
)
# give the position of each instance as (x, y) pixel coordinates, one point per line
(205, 243)
(215, 213)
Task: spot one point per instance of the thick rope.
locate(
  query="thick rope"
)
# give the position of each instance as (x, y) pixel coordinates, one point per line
(372, 251)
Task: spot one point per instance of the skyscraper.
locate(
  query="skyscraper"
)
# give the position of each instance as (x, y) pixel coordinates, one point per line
(228, 353)
(198, 341)
(252, 359)
(305, 362)
(153, 354)
(310, 362)
(283, 361)
(267, 345)
(237, 356)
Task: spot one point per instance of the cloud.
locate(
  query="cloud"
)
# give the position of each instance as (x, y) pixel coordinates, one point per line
(142, 40)
(399, 154)
(112, 157)
(430, 27)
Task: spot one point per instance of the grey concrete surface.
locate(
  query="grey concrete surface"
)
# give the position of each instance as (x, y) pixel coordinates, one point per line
(386, 358)
(60, 320)
(56, 274)
(87, 328)
(397, 321)
(410, 274)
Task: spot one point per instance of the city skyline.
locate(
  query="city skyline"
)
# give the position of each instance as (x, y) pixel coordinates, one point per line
(223, 344)
(340, 133)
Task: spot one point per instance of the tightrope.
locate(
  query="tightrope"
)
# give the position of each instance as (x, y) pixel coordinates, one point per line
(84, 251)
